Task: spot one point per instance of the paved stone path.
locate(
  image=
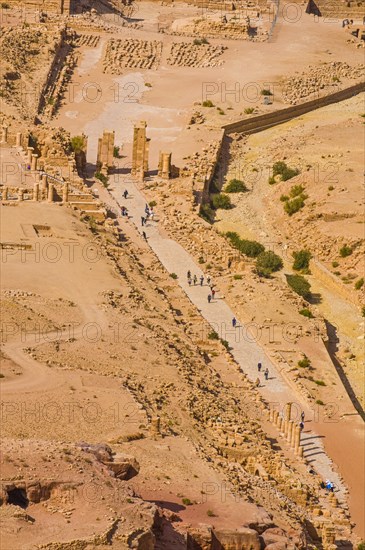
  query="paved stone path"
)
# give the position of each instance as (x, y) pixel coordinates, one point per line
(219, 315)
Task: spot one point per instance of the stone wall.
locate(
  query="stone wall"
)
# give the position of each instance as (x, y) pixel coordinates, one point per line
(54, 6)
(261, 122)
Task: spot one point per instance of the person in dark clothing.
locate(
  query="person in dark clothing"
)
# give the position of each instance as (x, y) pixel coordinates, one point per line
(144, 235)
(266, 374)
(143, 220)
(209, 298)
(234, 322)
(259, 366)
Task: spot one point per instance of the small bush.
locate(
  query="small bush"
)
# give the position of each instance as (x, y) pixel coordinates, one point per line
(359, 284)
(221, 201)
(300, 285)
(249, 248)
(249, 110)
(5, 6)
(319, 402)
(152, 204)
(173, 275)
(306, 313)
(296, 190)
(330, 188)
(304, 363)
(77, 144)
(319, 382)
(335, 264)
(237, 277)
(267, 262)
(345, 251)
(280, 168)
(116, 153)
(293, 206)
(301, 260)
(363, 311)
(102, 178)
(148, 84)
(206, 212)
(211, 514)
(265, 92)
(208, 103)
(186, 502)
(225, 344)
(213, 335)
(235, 186)
(284, 198)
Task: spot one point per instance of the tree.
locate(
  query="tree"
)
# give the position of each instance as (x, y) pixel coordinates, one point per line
(267, 262)
(301, 260)
(235, 186)
(221, 201)
(77, 144)
(300, 285)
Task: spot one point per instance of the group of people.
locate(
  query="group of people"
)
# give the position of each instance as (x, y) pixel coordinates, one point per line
(193, 280)
(266, 373)
(148, 214)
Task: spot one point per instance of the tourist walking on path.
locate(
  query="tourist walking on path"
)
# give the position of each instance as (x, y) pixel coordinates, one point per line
(188, 274)
(234, 322)
(213, 293)
(209, 298)
(125, 194)
(143, 220)
(195, 279)
(208, 280)
(266, 374)
(144, 235)
(301, 426)
(302, 416)
(259, 366)
(189, 281)
(201, 280)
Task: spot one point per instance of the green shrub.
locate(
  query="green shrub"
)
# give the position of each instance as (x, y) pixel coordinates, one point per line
(267, 262)
(304, 363)
(280, 168)
(102, 178)
(152, 204)
(345, 251)
(5, 5)
(335, 264)
(173, 275)
(211, 514)
(363, 311)
(296, 190)
(235, 186)
(186, 501)
(116, 153)
(237, 277)
(206, 212)
(225, 344)
(77, 144)
(293, 206)
(319, 382)
(208, 103)
(361, 545)
(249, 110)
(213, 335)
(284, 198)
(221, 201)
(359, 284)
(306, 313)
(301, 260)
(266, 92)
(249, 248)
(319, 402)
(300, 285)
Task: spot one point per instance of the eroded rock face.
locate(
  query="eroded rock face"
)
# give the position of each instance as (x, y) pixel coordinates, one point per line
(226, 539)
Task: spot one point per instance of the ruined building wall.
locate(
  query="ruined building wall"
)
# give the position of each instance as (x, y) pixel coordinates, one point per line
(54, 6)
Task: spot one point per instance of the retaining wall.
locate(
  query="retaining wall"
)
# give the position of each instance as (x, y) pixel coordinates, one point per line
(261, 122)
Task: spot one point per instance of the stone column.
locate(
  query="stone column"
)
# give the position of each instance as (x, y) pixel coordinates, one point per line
(36, 192)
(29, 154)
(20, 194)
(280, 422)
(155, 426)
(290, 430)
(34, 162)
(4, 134)
(275, 419)
(287, 415)
(271, 414)
(297, 433)
(300, 451)
(50, 192)
(18, 141)
(5, 193)
(65, 192)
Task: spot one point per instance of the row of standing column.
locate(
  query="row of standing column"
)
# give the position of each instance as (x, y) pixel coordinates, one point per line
(291, 430)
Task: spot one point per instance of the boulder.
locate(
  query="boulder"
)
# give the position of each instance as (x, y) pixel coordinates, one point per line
(239, 539)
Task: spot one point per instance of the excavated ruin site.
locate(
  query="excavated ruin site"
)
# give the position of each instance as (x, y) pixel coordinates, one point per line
(182, 275)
